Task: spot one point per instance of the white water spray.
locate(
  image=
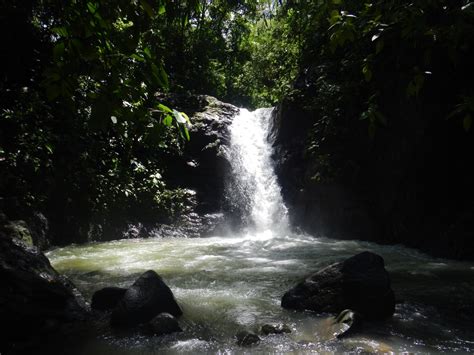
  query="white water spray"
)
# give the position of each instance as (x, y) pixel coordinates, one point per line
(255, 187)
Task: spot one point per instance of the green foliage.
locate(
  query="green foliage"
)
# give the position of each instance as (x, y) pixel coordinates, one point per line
(273, 65)
(79, 83)
(85, 136)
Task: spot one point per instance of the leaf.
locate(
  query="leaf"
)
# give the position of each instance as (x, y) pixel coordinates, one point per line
(60, 31)
(467, 122)
(179, 118)
(92, 7)
(113, 119)
(137, 57)
(164, 108)
(147, 52)
(159, 75)
(186, 117)
(168, 120)
(186, 132)
(161, 9)
(49, 147)
(148, 9)
(164, 76)
(334, 16)
(367, 72)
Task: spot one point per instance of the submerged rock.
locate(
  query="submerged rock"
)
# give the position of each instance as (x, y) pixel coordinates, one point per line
(163, 323)
(278, 328)
(144, 300)
(107, 298)
(246, 338)
(360, 283)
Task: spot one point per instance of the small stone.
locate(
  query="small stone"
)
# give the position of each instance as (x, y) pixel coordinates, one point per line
(246, 338)
(278, 328)
(346, 323)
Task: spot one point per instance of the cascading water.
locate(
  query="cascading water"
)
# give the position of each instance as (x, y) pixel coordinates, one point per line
(254, 187)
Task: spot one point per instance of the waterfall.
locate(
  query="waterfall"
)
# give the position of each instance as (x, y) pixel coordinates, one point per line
(254, 187)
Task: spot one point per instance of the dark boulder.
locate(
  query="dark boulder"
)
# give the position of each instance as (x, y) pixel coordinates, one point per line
(35, 301)
(360, 283)
(246, 338)
(144, 300)
(107, 298)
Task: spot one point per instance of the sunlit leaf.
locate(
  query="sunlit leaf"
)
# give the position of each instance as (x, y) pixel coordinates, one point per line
(168, 120)
(186, 117)
(165, 108)
(186, 133)
(161, 9)
(178, 117)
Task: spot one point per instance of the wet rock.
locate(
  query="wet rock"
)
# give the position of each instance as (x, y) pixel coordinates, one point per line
(19, 230)
(144, 300)
(107, 298)
(246, 338)
(39, 227)
(278, 328)
(163, 323)
(34, 299)
(346, 323)
(204, 165)
(360, 283)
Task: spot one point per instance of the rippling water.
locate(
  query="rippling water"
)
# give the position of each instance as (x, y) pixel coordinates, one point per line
(227, 284)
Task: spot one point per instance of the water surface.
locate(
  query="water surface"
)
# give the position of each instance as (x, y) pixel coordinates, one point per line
(232, 283)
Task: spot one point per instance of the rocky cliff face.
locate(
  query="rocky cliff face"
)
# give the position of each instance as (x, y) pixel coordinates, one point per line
(204, 167)
(409, 184)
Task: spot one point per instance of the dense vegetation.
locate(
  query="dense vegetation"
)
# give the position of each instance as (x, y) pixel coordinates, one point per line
(82, 134)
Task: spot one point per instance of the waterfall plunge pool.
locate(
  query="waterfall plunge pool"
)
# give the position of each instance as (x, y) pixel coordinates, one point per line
(232, 283)
(226, 284)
